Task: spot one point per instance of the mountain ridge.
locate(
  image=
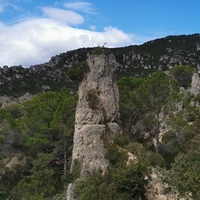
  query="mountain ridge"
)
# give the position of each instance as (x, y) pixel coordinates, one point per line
(134, 60)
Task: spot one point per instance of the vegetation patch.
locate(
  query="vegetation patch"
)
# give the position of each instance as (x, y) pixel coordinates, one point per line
(92, 98)
(77, 71)
(183, 74)
(120, 182)
(42, 128)
(100, 50)
(184, 175)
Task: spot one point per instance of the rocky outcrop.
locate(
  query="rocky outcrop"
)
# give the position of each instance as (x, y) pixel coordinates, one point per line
(96, 115)
(195, 85)
(156, 189)
(5, 100)
(12, 162)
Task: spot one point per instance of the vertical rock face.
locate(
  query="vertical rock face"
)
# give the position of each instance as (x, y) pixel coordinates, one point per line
(96, 114)
(195, 85)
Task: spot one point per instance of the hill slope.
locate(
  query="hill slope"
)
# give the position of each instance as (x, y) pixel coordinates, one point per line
(135, 61)
(158, 127)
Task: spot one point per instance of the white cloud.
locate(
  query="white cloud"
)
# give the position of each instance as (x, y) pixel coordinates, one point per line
(92, 27)
(6, 5)
(66, 16)
(85, 7)
(34, 41)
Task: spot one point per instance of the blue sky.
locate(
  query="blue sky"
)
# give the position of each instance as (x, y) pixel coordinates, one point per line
(31, 31)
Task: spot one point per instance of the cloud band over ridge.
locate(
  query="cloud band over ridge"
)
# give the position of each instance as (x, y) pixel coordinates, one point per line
(34, 39)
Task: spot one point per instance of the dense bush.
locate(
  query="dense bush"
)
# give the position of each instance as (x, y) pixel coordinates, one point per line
(100, 50)
(41, 128)
(121, 183)
(143, 100)
(92, 98)
(183, 74)
(77, 71)
(42, 183)
(184, 175)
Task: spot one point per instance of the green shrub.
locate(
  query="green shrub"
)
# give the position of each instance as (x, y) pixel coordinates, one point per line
(76, 71)
(92, 98)
(1, 140)
(100, 50)
(168, 136)
(197, 98)
(183, 74)
(86, 188)
(123, 182)
(5, 115)
(130, 181)
(76, 170)
(42, 183)
(169, 151)
(15, 110)
(121, 140)
(115, 155)
(177, 122)
(155, 159)
(184, 175)
(137, 149)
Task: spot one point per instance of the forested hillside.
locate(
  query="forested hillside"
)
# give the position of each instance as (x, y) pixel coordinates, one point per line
(36, 143)
(155, 155)
(160, 126)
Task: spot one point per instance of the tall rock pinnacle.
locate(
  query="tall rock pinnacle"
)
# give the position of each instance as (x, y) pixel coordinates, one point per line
(96, 114)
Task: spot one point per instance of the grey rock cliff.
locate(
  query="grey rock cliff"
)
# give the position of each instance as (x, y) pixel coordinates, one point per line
(96, 115)
(95, 122)
(5, 100)
(195, 85)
